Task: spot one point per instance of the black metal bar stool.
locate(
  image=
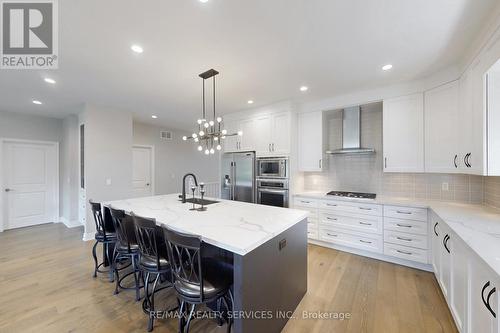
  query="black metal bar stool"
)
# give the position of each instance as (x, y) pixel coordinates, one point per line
(106, 235)
(126, 248)
(153, 259)
(197, 279)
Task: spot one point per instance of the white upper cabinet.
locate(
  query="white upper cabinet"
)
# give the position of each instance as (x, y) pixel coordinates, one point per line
(442, 129)
(266, 134)
(403, 134)
(310, 141)
(281, 133)
(493, 120)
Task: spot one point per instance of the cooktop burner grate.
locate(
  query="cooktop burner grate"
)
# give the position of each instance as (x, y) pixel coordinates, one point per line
(356, 195)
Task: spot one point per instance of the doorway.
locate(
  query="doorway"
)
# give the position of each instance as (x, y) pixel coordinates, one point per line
(142, 171)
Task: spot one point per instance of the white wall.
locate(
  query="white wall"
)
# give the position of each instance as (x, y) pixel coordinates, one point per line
(108, 156)
(174, 158)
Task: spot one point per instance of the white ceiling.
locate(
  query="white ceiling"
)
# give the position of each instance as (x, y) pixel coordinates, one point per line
(264, 49)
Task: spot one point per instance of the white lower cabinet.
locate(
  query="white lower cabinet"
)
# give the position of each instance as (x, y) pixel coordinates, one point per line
(483, 299)
(459, 274)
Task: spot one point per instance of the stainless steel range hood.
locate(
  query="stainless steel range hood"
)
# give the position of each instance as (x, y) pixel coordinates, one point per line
(351, 133)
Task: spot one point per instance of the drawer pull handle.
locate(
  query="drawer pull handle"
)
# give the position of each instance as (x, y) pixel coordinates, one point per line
(364, 223)
(404, 252)
(365, 208)
(332, 235)
(305, 201)
(331, 218)
(404, 225)
(331, 205)
(405, 239)
(363, 241)
(402, 212)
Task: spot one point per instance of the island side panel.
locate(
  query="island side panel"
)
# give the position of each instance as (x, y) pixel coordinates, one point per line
(271, 279)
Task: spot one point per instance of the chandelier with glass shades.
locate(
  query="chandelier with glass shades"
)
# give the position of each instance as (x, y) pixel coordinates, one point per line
(210, 132)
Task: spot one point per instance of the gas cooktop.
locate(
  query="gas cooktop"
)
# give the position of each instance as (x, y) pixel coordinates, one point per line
(355, 195)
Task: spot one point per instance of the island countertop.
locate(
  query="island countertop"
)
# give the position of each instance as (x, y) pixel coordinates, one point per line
(235, 226)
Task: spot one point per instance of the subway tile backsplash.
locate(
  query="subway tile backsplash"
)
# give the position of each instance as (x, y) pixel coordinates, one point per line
(364, 173)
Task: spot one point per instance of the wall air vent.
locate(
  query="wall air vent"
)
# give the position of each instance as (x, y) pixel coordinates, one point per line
(166, 135)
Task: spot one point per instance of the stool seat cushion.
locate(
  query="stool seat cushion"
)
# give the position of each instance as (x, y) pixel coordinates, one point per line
(150, 263)
(123, 248)
(110, 236)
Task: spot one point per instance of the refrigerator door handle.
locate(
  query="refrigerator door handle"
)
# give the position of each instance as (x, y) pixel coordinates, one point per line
(233, 183)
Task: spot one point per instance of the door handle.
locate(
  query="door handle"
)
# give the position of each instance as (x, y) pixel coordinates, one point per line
(8, 190)
(486, 301)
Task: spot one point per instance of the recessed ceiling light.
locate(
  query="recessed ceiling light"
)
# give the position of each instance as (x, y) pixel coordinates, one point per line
(387, 67)
(250, 102)
(204, 1)
(37, 102)
(304, 88)
(137, 48)
(154, 117)
(49, 80)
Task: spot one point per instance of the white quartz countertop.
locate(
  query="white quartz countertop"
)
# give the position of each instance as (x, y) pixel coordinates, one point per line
(477, 225)
(235, 226)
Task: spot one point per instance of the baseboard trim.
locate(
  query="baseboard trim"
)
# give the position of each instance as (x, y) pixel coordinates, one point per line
(88, 236)
(373, 255)
(70, 224)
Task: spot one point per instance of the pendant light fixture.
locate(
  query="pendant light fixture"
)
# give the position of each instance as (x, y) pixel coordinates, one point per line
(210, 132)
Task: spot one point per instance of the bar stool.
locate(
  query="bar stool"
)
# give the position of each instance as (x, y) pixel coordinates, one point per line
(126, 248)
(153, 259)
(198, 279)
(106, 235)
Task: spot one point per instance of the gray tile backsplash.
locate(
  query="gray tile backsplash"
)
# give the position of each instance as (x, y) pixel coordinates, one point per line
(364, 173)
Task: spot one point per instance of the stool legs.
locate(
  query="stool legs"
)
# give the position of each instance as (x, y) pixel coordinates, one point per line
(94, 254)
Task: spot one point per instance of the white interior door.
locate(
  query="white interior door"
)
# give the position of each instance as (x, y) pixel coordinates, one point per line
(30, 181)
(142, 171)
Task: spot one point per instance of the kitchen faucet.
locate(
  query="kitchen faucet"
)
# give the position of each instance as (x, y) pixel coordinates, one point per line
(184, 185)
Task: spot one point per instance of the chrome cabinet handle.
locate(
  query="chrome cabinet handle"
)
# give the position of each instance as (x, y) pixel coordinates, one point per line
(331, 218)
(331, 205)
(366, 242)
(404, 225)
(405, 239)
(364, 208)
(402, 212)
(305, 201)
(364, 223)
(404, 252)
(332, 235)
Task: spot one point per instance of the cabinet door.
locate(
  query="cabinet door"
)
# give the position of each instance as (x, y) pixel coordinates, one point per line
(263, 128)
(442, 129)
(280, 144)
(436, 246)
(231, 143)
(493, 123)
(459, 281)
(483, 299)
(310, 141)
(248, 139)
(403, 134)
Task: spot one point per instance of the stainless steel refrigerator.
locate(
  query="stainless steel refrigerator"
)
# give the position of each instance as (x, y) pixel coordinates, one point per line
(238, 177)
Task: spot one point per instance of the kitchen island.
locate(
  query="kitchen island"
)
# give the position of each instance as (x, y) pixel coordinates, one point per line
(267, 247)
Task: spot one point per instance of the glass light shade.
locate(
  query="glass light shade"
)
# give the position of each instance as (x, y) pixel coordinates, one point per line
(212, 151)
(206, 125)
(207, 151)
(184, 138)
(211, 122)
(199, 121)
(240, 133)
(224, 132)
(223, 137)
(200, 148)
(196, 139)
(219, 147)
(202, 133)
(219, 119)
(216, 138)
(194, 135)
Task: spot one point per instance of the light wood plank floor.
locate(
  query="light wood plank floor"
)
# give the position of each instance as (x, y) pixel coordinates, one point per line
(46, 286)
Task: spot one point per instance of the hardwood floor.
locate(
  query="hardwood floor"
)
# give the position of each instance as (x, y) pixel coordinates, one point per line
(46, 285)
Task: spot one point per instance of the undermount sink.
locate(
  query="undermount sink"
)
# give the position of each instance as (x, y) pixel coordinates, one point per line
(198, 201)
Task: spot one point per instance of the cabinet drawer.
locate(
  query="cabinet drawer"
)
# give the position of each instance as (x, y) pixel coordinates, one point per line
(412, 240)
(406, 213)
(357, 222)
(405, 252)
(408, 226)
(351, 207)
(368, 242)
(305, 202)
(312, 234)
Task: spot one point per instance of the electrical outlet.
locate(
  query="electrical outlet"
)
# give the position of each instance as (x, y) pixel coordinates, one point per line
(445, 187)
(108, 181)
